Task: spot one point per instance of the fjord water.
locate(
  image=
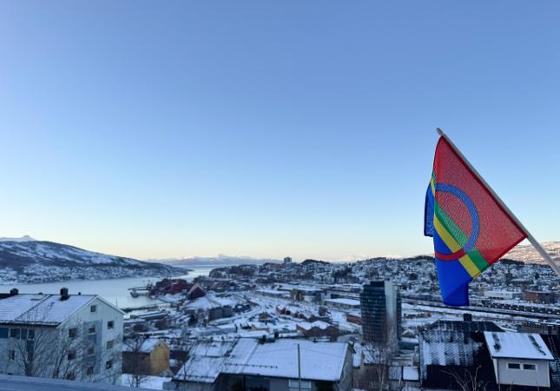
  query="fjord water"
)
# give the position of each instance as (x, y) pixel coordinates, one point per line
(114, 291)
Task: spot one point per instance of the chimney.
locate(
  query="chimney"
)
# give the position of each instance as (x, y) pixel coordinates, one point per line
(467, 317)
(14, 291)
(64, 294)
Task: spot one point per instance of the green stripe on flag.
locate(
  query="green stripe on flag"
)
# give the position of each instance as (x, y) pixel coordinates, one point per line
(458, 234)
(478, 259)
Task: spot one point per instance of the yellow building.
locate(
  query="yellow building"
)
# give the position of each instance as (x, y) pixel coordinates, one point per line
(146, 357)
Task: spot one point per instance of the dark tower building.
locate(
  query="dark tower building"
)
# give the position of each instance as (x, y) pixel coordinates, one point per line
(381, 313)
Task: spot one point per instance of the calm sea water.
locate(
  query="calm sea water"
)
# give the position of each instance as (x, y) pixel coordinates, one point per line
(115, 291)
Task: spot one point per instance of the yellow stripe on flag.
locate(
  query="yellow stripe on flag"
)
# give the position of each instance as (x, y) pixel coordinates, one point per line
(465, 260)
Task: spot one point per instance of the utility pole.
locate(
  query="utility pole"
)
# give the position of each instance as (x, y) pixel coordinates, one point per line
(299, 367)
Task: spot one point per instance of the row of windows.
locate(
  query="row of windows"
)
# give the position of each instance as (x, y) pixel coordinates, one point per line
(71, 375)
(22, 333)
(73, 332)
(18, 333)
(294, 384)
(528, 367)
(71, 356)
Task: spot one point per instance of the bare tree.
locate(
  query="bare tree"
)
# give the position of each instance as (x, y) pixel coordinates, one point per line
(468, 380)
(374, 375)
(41, 349)
(135, 365)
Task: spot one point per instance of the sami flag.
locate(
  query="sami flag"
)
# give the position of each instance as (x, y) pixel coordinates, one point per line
(470, 228)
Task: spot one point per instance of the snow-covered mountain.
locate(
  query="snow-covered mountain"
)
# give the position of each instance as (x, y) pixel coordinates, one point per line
(220, 260)
(25, 238)
(528, 254)
(28, 260)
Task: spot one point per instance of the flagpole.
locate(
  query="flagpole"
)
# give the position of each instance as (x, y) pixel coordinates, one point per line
(542, 252)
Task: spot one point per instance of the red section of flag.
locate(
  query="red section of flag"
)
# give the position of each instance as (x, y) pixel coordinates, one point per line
(498, 232)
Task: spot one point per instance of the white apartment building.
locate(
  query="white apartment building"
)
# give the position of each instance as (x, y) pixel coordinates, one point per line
(60, 336)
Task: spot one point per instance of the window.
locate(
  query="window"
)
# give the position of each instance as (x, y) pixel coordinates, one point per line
(31, 334)
(90, 351)
(73, 332)
(93, 308)
(91, 330)
(514, 365)
(4, 332)
(111, 324)
(293, 384)
(109, 364)
(23, 334)
(530, 367)
(71, 355)
(12, 355)
(110, 344)
(89, 371)
(14, 333)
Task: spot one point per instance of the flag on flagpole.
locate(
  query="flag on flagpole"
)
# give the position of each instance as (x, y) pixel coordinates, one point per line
(470, 228)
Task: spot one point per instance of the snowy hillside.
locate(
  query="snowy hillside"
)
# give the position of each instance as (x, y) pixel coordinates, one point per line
(527, 253)
(28, 260)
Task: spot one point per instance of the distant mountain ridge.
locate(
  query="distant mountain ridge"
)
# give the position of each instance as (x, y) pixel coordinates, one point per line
(25, 238)
(220, 260)
(527, 254)
(24, 260)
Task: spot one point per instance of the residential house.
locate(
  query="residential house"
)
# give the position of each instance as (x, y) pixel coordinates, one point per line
(210, 307)
(248, 364)
(318, 329)
(519, 359)
(145, 356)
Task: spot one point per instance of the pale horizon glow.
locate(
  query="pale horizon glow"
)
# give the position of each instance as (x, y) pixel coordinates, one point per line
(302, 129)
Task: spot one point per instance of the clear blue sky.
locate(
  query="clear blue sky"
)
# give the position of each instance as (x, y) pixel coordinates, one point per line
(303, 128)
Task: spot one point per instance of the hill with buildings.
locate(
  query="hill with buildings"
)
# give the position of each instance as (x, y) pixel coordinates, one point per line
(527, 254)
(25, 260)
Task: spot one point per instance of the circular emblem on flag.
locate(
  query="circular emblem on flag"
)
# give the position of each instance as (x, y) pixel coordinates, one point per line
(475, 224)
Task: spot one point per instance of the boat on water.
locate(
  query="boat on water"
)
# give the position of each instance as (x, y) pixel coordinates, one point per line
(140, 290)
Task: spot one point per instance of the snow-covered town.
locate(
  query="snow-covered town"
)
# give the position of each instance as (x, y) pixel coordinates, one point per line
(281, 195)
(377, 324)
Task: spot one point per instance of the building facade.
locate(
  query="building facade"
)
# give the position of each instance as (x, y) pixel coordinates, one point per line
(64, 336)
(380, 305)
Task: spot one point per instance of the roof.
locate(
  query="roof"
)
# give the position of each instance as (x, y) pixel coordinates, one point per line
(246, 356)
(447, 347)
(146, 346)
(460, 325)
(41, 309)
(25, 383)
(410, 373)
(517, 345)
(209, 302)
(344, 301)
(311, 325)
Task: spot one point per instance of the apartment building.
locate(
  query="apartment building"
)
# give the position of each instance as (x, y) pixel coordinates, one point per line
(62, 336)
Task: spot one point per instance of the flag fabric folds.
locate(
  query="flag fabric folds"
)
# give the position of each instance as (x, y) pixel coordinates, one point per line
(471, 230)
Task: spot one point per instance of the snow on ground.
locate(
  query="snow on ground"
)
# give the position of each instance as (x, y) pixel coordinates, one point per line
(148, 382)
